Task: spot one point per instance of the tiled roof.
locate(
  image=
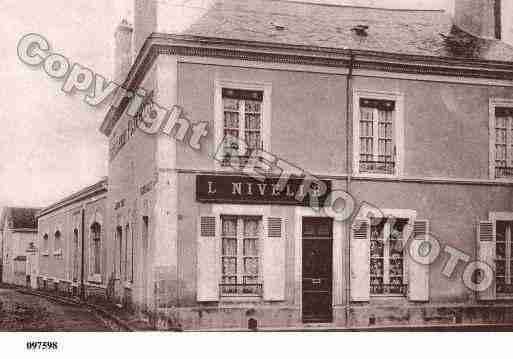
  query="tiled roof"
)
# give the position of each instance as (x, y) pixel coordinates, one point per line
(19, 218)
(409, 32)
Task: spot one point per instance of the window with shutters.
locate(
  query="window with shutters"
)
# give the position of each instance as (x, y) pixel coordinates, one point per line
(501, 139)
(504, 257)
(242, 114)
(387, 260)
(240, 255)
(377, 133)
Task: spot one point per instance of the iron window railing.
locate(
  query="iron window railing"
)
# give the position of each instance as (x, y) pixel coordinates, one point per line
(231, 290)
(503, 172)
(389, 289)
(386, 167)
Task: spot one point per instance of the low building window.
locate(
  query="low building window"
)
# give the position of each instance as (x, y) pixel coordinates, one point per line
(57, 244)
(95, 249)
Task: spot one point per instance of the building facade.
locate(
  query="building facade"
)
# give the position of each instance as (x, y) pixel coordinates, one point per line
(72, 245)
(18, 234)
(250, 120)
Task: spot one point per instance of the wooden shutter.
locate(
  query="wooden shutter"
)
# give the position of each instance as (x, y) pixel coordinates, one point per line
(360, 261)
(274, 260)
(486, 253)
(418, 281)
(208, 260)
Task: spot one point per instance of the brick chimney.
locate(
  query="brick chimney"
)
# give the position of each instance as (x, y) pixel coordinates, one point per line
(122, 51)
(481, 18)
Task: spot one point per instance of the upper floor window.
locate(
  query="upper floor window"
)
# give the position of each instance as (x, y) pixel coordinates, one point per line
(242, 114)
(501, 140)
(377, 133)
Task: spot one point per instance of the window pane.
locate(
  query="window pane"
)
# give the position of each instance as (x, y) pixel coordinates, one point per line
(229, 226)
(251, 266)
(252, 121)
(250, 247)
(96, 257)
(229, 247)
(252, 106)
(253, 139)
(251, 227)
(229, 265)
(231, 120)
(231, 104)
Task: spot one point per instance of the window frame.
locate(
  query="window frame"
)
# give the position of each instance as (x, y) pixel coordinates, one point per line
(398, 132)
(494, 217)
(265, 135)
(493, 104)
(220, 210)
(411, 215)
(45, 246)
(57, 244)
(95, 277)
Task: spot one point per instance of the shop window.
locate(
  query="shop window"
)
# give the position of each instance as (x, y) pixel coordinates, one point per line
(387, 262)
(240, 241)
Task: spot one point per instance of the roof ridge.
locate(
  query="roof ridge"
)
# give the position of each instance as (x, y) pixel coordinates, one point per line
(306, 2)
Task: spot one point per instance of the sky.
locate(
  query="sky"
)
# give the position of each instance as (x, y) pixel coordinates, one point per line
(50, 145)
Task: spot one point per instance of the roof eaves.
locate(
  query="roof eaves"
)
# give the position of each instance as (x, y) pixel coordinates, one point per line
(90, 191)
(158, 43)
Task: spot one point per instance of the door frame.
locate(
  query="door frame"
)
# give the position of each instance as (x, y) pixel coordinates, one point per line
(338, 259)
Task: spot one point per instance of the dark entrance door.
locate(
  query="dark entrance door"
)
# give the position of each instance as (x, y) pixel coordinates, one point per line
(317, 269)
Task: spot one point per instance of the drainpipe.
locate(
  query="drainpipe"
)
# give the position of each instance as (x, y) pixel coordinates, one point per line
(82, 288)
(349, 171)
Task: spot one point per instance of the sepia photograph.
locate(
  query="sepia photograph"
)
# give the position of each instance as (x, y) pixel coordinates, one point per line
(277, 171)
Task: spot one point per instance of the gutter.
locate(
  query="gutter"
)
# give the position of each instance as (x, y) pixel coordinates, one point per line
(349, 171)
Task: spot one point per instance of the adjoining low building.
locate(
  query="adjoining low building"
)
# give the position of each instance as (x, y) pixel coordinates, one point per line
(72, 249)
(18, 235)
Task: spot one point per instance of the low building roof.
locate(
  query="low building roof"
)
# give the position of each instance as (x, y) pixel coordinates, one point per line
(99, 187)
(407, 32)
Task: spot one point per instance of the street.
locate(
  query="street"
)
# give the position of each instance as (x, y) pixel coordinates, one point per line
(23, 312)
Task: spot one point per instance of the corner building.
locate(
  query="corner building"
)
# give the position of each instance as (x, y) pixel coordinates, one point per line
(392, 106)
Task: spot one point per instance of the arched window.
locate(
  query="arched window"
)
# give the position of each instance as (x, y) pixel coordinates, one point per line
(95, 257)
(76, 256)
(45, 245)
(57, 244)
